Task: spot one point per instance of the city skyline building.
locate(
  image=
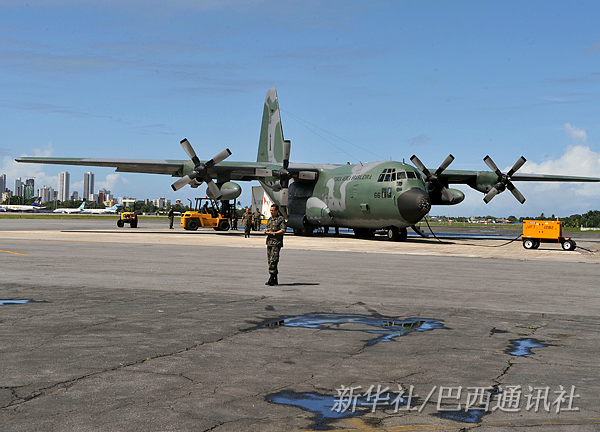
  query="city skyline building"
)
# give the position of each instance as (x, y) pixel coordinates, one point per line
(2, 183)
(18, 187)
(64, 180)
(88, 185)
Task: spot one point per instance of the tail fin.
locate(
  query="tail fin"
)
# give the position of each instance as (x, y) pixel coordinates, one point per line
(37, 202)
(82, 206)
(270, 144)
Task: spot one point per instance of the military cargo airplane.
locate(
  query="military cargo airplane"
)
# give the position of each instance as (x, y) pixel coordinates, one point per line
(365, 197)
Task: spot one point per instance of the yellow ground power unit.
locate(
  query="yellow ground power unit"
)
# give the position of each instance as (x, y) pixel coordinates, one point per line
(536, 232)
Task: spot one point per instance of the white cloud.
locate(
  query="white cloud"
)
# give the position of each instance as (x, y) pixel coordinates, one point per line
(575, 133)
(13, 169)
(112, 182)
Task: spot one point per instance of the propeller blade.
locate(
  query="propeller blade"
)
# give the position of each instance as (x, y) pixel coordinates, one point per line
(444, 165)
(518, 195)
(214, 189)
(287, 147)
(414, 159)
(518, 164)
(284, 197)
(490, 163)
(447, 194)
(490, 195)
(181, 182)
(219, 158)
(187, 147)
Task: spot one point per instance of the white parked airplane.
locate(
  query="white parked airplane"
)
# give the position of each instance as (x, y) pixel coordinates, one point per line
(71, 210)
(15, 207)
(106, 210)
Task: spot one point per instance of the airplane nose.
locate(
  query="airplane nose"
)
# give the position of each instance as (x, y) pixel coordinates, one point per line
(413, 205)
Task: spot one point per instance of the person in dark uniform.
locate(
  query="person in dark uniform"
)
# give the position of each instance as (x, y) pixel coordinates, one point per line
(274, 230)
(171, 215)
(247, 222)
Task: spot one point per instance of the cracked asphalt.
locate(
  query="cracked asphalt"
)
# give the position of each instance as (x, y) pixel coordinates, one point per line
(159, 330)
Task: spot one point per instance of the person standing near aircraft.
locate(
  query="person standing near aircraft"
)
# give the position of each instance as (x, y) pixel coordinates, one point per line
(247, 222)
(171, 215)
(257, 220)
(275, 229)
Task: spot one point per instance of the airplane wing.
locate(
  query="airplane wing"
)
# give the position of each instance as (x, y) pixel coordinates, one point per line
(243, 171)
(467, 177)
(148, 166)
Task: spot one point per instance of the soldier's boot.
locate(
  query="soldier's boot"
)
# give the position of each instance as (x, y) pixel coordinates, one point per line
(271, 280)
(275, 281)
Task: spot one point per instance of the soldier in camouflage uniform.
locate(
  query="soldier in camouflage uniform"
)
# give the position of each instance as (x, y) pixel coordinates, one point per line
(257, 220)
(274, 230)
(247, 222)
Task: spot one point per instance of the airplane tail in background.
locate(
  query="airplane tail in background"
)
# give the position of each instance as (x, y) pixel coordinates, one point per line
(82, 206)
(270, 144)
(37, 202)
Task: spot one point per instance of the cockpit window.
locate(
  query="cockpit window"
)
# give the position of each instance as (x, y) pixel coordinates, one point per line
(388, 174)
(411, 174)
(401, 175)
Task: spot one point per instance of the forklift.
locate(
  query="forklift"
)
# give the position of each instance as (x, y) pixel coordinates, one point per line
(128, 217)
(207, 213)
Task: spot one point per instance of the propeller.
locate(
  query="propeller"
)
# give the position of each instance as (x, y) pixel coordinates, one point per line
(504, 180)
(200, 173)
(433, 180)
(283, 174)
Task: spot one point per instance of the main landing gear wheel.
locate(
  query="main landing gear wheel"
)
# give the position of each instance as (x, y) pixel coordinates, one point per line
(397, 234)
(569, 245)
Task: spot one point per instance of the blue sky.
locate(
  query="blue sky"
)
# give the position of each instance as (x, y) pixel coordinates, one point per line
(357, 81)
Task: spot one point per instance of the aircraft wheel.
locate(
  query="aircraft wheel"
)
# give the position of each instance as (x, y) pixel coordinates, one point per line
(393, 234)
(120, 223)
(568, 245)
(192, 225)
(402, 234)
(528, 244)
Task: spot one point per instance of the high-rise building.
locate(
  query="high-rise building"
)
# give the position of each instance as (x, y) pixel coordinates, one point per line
(18, 187)
(64, 180)
(2, 183)
(46, 193)
(88, 185)
(75, 196)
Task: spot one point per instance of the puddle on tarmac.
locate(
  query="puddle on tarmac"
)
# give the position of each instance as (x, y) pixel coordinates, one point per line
(470, 416)
(522, 347)
(322, 406)
(387, 327)
(14, 302)
(328, 408)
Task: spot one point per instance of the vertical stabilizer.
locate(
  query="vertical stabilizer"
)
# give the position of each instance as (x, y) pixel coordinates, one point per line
(270, 144)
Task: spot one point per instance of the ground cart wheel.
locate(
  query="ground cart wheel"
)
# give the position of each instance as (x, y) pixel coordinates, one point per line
(120, 223)
(528, 244)
(568, 245)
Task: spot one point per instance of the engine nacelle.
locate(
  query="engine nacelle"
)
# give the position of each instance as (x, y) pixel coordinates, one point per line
(440, 199)
(317, 212)
(229, 191)
(485, 181)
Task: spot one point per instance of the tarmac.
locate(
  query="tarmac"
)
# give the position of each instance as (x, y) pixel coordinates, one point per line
(150, 329)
